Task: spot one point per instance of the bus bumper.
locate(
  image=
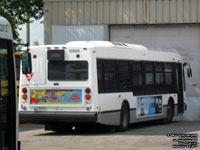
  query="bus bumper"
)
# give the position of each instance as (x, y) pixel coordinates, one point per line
(43, 117)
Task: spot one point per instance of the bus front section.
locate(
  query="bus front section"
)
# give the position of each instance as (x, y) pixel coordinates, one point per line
(59, 88)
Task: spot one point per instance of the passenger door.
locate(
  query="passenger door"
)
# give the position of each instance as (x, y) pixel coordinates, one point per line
(179, 87)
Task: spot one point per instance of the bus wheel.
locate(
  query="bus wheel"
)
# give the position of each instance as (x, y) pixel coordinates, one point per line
(124, 118)
(170, 113)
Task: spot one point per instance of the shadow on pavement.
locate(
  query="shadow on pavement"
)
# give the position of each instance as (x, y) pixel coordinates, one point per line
(29, 126)
(145, 128)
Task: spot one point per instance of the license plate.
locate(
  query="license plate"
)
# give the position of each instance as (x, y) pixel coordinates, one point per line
(40, 109)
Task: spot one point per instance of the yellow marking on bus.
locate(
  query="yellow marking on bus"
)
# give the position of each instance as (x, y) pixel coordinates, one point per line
(18, 53)
(17, 99)
(4, 83)
(3, 51)
(4, 91)
(17, 91)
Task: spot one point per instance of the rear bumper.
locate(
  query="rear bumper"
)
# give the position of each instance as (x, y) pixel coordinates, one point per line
(43, 117)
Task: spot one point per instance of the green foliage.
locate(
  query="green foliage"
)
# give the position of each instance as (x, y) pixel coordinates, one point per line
(36, 43)
(19, 12)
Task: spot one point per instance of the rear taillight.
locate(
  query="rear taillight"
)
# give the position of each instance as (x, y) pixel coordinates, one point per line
(24, 90)
(87, 90)
(88, 96)
(24, 96)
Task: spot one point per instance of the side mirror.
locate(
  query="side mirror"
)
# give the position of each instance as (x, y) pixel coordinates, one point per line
(26, 63)
(189, 72)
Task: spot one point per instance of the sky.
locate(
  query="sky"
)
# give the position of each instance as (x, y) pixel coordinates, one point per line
(36, 32)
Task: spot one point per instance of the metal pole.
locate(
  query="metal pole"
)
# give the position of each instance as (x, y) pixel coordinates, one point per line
(28, 31)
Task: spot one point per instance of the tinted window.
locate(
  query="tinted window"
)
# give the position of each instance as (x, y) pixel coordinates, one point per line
(168, 74)
(143, 78)
(109, 65)
(137, 78)
(67, 70)
(168, 67)
(110, 76)
(136, 67)
(123, 66)
(124, 76)
(159, 67)
(149, 67)
(4, 68)
(137, 74)
(149, 78)
(107, 76)
(159, 74)
(100, 75)
(110, 82)
(159, 78)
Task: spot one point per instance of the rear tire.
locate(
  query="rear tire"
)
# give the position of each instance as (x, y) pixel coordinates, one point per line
(124, 118)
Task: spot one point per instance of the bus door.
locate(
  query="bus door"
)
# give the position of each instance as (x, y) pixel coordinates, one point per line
(179, 87)
(7, 98)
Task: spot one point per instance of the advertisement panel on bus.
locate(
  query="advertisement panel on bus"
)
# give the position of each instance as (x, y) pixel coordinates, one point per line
(55, 97)
(149, 106)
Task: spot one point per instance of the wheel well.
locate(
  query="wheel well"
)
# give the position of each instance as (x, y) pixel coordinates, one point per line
(127, 103)
(171, 101)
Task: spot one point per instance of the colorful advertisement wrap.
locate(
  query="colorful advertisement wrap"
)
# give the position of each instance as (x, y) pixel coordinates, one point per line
(55, 97)
(149, 106)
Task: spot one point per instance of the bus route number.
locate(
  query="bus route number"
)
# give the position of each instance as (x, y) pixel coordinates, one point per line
(74, 50)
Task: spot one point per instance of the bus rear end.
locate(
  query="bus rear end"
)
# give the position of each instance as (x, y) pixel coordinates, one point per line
(59, 89)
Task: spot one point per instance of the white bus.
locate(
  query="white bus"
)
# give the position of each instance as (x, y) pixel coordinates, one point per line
(8, 99)
(101, 82)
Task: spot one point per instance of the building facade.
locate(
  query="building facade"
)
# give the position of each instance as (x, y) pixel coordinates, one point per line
(166, 25)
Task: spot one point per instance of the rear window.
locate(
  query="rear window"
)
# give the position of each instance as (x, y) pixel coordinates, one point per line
(68, 70)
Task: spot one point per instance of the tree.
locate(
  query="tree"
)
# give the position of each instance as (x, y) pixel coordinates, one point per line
(36, 43)
(19, 12)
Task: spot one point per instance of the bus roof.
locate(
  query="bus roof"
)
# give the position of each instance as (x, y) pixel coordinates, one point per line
(5, 29)
(104, 44)
(117, 50)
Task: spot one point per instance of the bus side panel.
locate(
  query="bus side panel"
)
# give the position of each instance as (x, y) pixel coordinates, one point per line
(110, 106)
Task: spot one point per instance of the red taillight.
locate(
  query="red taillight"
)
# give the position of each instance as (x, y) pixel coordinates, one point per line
(87, 90)
(24, 90)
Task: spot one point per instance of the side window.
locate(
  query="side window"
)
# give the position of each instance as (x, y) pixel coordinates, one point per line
(159, 74)
(168, 74)
(110, 76)
(137, 74)
(100, 75)
(124, 76)
(138, 78)
(149, 74)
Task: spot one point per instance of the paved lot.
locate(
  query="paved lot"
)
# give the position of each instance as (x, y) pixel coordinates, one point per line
(148, 136)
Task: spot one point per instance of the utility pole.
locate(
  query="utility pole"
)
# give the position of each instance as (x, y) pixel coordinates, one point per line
(28, 30)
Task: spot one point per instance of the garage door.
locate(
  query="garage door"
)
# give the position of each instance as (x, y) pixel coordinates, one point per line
(180, 38)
